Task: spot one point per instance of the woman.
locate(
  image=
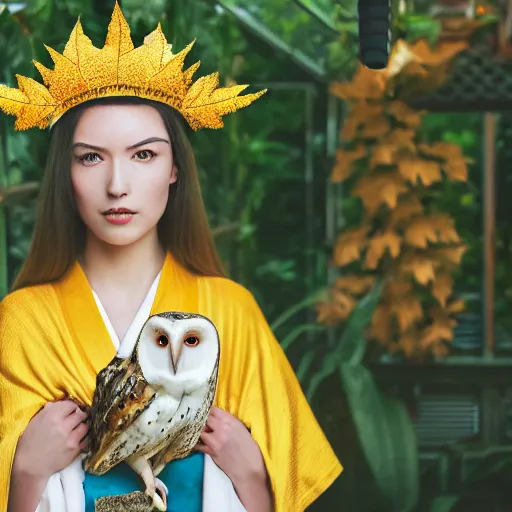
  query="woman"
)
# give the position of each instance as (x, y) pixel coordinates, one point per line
(121, 233)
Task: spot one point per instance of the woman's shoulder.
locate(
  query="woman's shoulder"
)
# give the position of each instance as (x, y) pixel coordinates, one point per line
(28, 300)
(227, 291)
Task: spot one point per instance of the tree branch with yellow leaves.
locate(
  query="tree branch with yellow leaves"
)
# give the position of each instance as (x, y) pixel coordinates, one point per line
(402, 236)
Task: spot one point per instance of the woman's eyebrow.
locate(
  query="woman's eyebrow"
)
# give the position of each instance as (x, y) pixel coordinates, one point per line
(87, 146)
(147, 141)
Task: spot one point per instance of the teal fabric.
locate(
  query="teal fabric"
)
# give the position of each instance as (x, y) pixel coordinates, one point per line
(183, 478)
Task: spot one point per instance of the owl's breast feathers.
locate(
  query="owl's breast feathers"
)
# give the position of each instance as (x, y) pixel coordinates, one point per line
(191, 418)
(121, 396)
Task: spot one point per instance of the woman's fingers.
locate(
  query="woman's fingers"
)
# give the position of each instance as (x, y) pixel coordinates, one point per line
(78, 434)
(83, 446)
(219, 413)
(203, 448)
(63, 407)
(74, 419)
(204, 444)
(206, 437)
(216, 431)
(213, 423)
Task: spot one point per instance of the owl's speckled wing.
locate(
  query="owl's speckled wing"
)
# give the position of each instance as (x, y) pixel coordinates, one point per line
(190, 422)
(121, 395)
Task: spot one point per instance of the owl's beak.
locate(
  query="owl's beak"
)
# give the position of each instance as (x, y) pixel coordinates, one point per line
(175, 355)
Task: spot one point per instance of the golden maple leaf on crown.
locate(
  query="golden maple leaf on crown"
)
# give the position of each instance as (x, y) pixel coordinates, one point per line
(151, 71)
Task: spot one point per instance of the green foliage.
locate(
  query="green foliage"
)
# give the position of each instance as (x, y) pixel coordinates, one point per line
(323, 10)
(342, 54)
(413, 27)
(383, 426)
(17, 50)
(292, 24)
(487, 487)
(464, 201)
(386, 435)
(443, 503)
(350, 349)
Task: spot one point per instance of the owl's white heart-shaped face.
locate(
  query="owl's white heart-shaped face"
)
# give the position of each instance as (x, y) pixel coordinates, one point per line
(177, 350)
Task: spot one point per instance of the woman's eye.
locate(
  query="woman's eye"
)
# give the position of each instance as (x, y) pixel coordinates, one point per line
(90, 158)
(145, 154)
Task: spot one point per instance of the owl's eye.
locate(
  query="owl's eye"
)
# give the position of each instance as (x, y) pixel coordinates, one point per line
(162, 341)
(192, 341)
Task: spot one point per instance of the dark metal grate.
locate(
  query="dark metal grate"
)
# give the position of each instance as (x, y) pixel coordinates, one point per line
(468, 333)
(479, 81)
(444, 419)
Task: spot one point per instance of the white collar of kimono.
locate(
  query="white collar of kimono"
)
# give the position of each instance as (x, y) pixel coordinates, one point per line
(125, 347)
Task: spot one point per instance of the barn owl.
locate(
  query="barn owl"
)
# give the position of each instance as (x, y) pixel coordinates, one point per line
(151, 408)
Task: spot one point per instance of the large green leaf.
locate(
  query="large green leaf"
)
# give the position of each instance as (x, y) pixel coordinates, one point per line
(352, 344)
(305, 365)
(329, 366)
(295, 334)
(444, 503)
(387, 437)
(490, 467)
(309, 301)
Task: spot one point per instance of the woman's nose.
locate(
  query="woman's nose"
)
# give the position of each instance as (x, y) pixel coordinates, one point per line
(118, 183)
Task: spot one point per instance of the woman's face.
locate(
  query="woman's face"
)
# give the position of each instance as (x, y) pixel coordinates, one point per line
(122, 166)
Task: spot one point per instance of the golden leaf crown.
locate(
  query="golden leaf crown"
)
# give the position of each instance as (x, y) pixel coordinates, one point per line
(151, 71)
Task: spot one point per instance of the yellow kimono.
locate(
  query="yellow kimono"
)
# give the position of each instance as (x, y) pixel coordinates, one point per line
(53, 342)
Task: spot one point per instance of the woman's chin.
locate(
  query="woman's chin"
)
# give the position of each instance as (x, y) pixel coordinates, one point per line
(121, 239)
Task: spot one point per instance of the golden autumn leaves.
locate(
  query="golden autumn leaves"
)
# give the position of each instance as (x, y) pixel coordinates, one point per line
(402, 235)
(151, 71)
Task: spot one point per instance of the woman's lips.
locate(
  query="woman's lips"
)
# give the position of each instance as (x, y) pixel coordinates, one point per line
(118, 216)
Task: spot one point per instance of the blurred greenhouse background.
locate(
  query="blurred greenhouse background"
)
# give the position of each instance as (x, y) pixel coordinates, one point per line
(368, 212)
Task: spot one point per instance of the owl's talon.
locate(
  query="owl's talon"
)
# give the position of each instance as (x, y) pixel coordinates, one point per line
(142, 467)
(159, 503)
(160, 493)
(161, 487)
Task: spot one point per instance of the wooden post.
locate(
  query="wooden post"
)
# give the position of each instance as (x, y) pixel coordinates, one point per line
(332, 131)
(489, 221)
(332, 136)
(309, 181)
(507, 24)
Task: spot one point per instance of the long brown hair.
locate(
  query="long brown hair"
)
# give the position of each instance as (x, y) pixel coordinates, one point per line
(59, 232)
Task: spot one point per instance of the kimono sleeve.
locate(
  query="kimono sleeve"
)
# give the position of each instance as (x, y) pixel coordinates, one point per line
(299, 459)
(19, 399)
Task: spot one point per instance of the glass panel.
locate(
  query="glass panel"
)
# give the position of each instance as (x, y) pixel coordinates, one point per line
(323, 10)
(302, 29)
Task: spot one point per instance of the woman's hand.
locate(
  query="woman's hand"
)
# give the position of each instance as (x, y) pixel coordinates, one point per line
(52, 440)
(228, 441)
